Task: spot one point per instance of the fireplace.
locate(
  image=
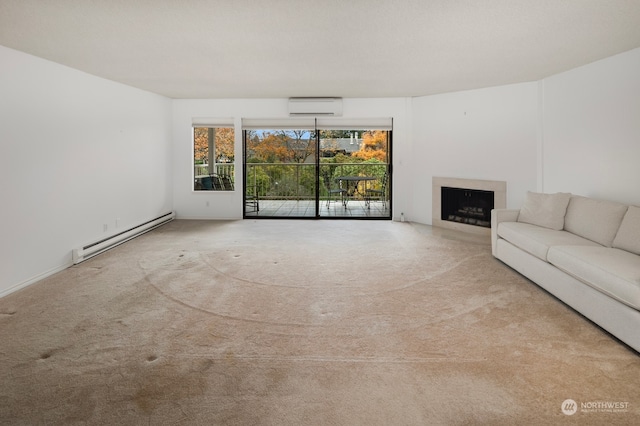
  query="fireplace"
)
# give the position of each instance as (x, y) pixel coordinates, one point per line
(465, 204)
(470, 206)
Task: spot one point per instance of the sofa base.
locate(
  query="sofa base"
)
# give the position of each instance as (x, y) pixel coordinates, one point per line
(617, 318)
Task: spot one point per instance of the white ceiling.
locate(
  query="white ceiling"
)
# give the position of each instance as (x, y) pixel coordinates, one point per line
(347, 48)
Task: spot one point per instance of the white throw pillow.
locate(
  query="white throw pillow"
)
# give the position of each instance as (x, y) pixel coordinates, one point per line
(628, 236)
(595, 220)
(546, 210)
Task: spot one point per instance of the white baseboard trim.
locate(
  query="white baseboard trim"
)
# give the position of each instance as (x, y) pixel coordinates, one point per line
(34, 279)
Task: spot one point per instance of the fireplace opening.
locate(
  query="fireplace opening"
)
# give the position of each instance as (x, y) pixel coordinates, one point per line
(469, 206)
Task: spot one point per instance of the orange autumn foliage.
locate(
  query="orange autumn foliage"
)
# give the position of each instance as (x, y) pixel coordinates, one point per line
(374, 145)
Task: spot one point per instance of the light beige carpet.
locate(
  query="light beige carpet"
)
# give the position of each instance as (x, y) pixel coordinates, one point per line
(279, 322)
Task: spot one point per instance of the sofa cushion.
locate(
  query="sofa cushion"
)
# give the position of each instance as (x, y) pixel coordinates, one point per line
(545, 210)
(628, 236)
(596, 220)
(537, 240)
(612, 271)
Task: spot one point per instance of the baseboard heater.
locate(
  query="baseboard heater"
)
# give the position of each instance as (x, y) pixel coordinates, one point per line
(93, 249)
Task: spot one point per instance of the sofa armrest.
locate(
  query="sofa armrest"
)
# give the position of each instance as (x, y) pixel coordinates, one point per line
(497, 216)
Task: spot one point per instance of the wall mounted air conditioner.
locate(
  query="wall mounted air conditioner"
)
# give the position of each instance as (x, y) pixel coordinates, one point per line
(315, 107)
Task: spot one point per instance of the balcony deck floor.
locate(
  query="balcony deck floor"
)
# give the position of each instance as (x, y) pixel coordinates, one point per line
(306, 208)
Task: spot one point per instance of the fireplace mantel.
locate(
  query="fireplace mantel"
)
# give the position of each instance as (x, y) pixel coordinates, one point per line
(499, 189)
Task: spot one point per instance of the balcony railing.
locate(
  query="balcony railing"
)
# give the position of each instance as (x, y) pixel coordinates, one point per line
(221, 169)
(293, 181)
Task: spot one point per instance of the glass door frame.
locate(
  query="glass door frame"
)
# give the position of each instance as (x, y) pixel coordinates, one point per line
(257, 205)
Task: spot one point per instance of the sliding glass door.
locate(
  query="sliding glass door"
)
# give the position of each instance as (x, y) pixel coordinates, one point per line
(317, 168)
(280, 168)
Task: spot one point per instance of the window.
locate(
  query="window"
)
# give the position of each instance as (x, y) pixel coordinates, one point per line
(317, 167)
(213, 157)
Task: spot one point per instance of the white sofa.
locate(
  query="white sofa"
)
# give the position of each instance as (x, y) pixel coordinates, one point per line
(584, 251)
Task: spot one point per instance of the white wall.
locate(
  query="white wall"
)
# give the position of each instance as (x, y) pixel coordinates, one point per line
(578, 132)
(591, 122)
(490, 134)
(191, 204)
(76, 152)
